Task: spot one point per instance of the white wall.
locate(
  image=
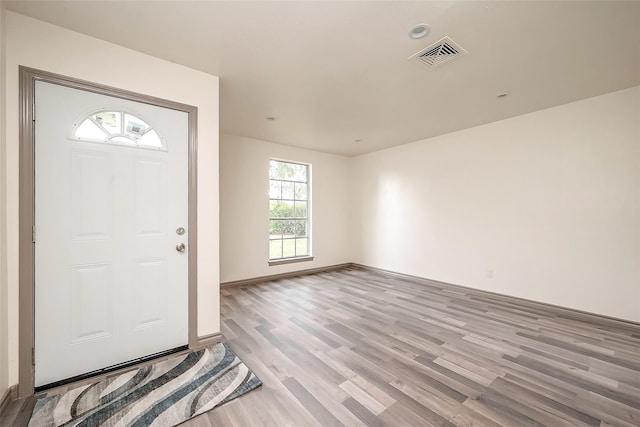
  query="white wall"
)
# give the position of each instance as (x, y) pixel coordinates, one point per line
(43, 46)
(244, 207)
(550, 201)
(4, 355)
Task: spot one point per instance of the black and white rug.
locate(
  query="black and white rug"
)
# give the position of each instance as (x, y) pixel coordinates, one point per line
(164, 394)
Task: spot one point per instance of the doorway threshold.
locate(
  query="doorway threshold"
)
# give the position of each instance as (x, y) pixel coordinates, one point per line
(110, 369)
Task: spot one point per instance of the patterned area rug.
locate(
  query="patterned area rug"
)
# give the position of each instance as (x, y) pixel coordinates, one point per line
(163, 394)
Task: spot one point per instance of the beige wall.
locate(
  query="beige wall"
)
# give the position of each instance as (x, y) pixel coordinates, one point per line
(4, 355)
(244, 207)
(550, 201)
(39, 45)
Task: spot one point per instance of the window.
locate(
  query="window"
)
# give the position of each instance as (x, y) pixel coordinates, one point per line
(118, 128)
(289, 219)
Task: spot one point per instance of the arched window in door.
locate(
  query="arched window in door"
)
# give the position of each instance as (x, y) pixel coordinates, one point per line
(117, 128)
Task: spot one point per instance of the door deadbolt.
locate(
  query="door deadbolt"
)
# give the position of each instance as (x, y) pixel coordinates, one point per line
(180, 231)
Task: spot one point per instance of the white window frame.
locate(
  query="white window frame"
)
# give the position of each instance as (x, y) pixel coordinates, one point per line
(298, 258)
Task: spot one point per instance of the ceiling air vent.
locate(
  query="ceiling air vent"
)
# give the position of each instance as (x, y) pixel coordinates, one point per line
(442, 51)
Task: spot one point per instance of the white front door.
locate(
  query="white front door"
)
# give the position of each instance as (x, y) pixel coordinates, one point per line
(110, 283)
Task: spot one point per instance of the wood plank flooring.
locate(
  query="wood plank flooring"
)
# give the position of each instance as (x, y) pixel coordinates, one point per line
(354, 347)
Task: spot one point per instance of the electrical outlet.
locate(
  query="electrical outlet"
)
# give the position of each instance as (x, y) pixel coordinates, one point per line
(490, 274)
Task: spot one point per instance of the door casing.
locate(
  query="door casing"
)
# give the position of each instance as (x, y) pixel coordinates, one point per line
(28, 77)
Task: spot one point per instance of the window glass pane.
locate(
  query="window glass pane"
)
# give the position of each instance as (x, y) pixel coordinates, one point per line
(300, 228)
(280, 170)
(287, 171)
(287, 190)
(134, 127)
(288, 248)
(302, 247)
(151, 139)
(280, 209)
(300, 210)
(274, 190)
(275, 249)
(110, 120)
(275, 229)
(288, 228)
(273, 166)
(89, 130)
(301, 191)
(299, 172)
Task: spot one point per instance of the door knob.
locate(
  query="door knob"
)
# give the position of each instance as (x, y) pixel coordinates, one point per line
(181, 247)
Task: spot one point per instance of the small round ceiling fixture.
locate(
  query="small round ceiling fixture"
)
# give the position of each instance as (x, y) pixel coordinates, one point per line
(419, 31)
(271, 118)
(503, 95)
(357, 140)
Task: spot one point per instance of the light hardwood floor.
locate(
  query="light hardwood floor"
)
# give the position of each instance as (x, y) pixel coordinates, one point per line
(355, 347)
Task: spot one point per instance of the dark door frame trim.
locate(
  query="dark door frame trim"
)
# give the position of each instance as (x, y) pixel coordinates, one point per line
(28, 77)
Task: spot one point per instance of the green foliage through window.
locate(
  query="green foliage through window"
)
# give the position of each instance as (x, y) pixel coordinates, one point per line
(288, 210)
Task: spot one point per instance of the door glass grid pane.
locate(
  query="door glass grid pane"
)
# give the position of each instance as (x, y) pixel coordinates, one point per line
(288, 210)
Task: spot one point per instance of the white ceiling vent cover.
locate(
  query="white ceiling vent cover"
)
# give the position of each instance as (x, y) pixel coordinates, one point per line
(444, 50)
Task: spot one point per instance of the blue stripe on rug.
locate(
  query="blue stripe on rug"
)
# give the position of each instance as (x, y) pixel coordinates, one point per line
(153, 412)
(193, 404)
(107, 411)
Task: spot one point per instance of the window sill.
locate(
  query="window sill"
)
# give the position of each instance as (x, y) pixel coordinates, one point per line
(290, 260)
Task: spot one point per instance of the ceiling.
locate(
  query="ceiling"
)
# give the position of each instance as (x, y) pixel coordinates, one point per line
(336, 72)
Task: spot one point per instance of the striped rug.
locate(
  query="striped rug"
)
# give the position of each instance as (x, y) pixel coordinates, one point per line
(163, 394)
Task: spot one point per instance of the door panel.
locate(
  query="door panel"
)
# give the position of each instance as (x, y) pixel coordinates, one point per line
(91, 195)
(91, 303)
(150, 283)
(110, 285)
(150, 198)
